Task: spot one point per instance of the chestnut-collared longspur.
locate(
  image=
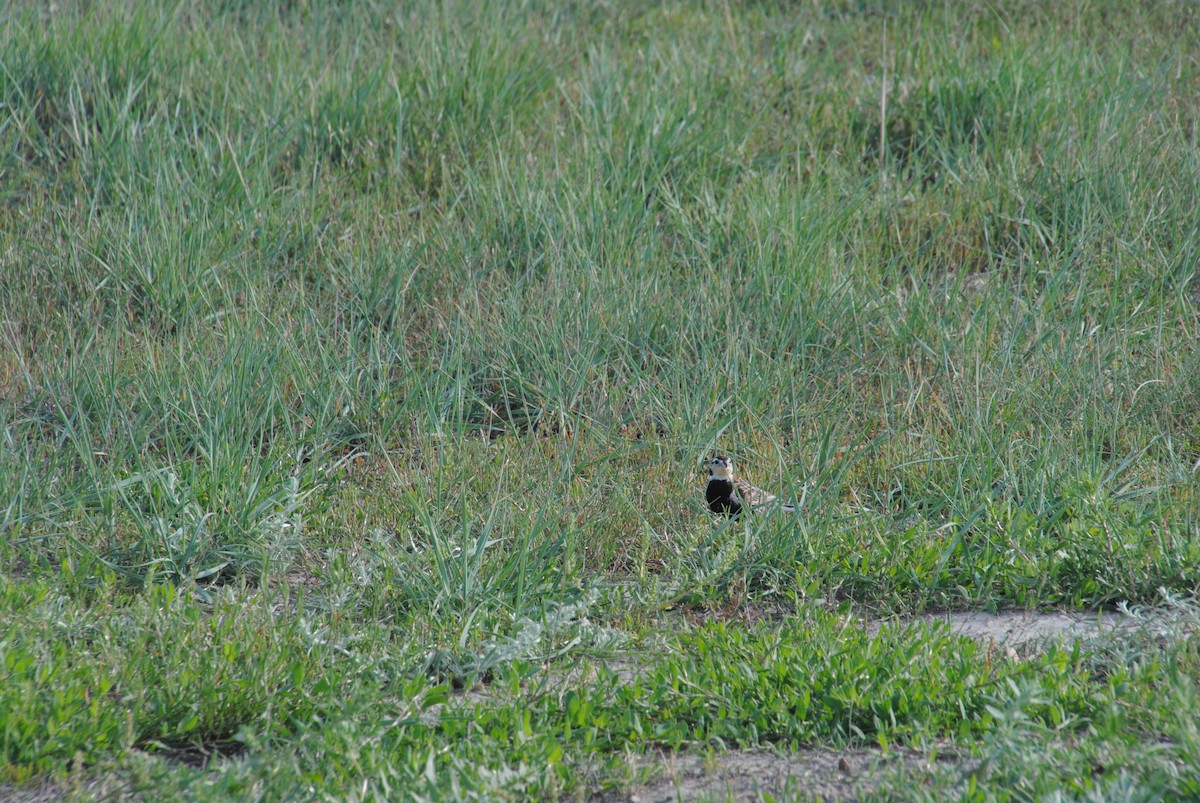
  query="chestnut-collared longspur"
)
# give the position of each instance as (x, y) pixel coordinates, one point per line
(728, 493)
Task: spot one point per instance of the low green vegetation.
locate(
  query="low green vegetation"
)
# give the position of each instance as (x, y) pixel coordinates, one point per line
(358, 365)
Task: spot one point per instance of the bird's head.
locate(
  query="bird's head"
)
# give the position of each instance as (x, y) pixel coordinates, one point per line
(720, 468)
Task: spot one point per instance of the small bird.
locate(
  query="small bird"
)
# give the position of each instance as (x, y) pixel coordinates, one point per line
(727, 493)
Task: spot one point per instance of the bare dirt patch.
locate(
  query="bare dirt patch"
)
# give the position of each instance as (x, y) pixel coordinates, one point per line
(52, 791)
(42, 792)
(1025, 630)
(825, 774)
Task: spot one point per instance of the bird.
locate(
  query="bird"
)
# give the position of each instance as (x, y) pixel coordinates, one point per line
(728, 493)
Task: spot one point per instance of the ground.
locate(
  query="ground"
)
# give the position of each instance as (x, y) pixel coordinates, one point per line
(360, 364)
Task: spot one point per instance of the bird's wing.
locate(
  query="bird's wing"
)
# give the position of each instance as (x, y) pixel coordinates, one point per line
(753, 496)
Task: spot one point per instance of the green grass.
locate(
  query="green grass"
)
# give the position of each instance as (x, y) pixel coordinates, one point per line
(358, 366)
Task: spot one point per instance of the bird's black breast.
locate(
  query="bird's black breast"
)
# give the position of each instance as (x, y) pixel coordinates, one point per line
(721, 498)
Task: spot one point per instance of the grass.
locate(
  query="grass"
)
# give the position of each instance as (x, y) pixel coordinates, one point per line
(359, 365)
